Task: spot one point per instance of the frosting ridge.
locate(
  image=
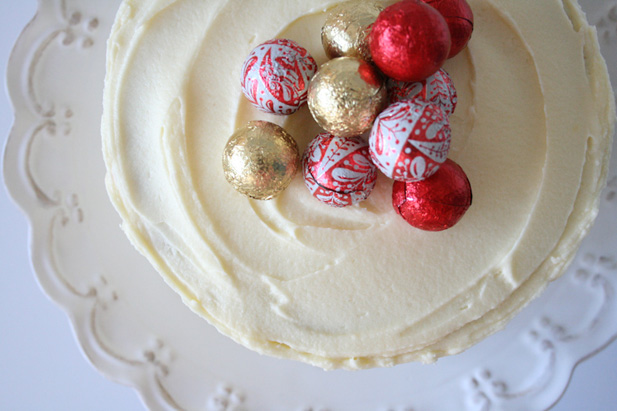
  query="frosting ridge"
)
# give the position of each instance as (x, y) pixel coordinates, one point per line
(355, 287)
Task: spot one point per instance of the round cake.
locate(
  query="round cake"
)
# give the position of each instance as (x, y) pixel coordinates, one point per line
(355, 287)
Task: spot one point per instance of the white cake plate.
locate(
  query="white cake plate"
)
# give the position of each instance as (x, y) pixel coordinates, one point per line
(136, 331)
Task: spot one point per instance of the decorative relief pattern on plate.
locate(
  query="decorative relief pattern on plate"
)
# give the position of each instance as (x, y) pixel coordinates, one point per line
(590, 284)
(56, 125)
(611, 191)
(62, 27)
(226, 398)
(607, 24)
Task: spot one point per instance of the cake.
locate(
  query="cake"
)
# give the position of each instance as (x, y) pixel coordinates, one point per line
(355, 287)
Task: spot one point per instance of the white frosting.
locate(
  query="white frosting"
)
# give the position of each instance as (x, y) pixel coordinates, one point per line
(354, 287)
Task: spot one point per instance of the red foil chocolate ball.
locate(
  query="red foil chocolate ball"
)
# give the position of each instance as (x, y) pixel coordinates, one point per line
(409, 41)
(437, 203)
(276, 75)
(410, 140)
(459, 17)
(338, 170)
(437, 89)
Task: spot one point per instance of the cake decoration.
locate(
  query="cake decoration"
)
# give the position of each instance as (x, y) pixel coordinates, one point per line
(345, 32)
(410, 140)
(338, 170)
(436, 203)
(459, 17)
(276, 74)
(260, 160)
(409, 41)
(438, 88)
(346, 95)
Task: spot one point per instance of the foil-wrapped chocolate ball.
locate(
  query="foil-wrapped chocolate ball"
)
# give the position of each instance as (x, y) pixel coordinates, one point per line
(437, 203)
(459, 17)
(410, 140)
(260, 160)
(345, 32)
(338, 170)
(276, 74)
(437, 89)
(409, 41)
(346, 95)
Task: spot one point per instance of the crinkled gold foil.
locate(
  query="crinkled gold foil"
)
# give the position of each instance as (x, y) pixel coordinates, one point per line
(260, 160)
(346, 30)
(346, 95)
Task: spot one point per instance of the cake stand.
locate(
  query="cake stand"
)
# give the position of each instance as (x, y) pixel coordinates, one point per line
(136, 331)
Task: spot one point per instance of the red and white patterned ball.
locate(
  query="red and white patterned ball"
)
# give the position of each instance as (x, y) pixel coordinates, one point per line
(438, 89)
(410, 139)
(338, 170)
(276, 75)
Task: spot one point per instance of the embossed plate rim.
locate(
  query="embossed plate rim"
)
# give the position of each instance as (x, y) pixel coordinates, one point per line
(483, 386)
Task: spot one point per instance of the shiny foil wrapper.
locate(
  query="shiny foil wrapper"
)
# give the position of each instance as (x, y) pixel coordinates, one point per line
(338, 170)
(260, 160)
(276, 75)
(410, 140)
(459, 17)
(409, 41)
(346, 95)
(437, 203)
(345, 32)
(437, 89)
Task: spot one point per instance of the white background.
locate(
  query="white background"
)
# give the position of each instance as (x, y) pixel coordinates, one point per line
(41, 365)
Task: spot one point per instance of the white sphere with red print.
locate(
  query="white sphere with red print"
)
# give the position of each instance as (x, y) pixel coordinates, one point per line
(438, 88)
(338, 170)
(276, 75)
(410, 140)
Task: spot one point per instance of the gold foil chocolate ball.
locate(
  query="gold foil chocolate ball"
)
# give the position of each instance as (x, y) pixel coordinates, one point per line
(346, 30)
(260, 160)
(346, 95)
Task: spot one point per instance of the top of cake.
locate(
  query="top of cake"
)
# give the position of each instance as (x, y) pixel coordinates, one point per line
(355, 287)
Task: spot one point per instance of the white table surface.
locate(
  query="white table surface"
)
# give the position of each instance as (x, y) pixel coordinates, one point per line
(41, 365)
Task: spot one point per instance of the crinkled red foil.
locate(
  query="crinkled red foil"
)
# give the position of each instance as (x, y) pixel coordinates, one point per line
(459, 17)
(437, 203)
(410, 41)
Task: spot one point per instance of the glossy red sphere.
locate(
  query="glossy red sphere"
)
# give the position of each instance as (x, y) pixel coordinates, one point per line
(410, 41)
(437, 203)
(459, 17)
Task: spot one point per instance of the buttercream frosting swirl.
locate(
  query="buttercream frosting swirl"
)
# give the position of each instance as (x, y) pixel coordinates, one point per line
(354, 287)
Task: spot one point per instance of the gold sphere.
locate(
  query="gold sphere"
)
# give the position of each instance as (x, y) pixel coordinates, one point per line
(260, 160)
(345, 32)
(346, 95)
